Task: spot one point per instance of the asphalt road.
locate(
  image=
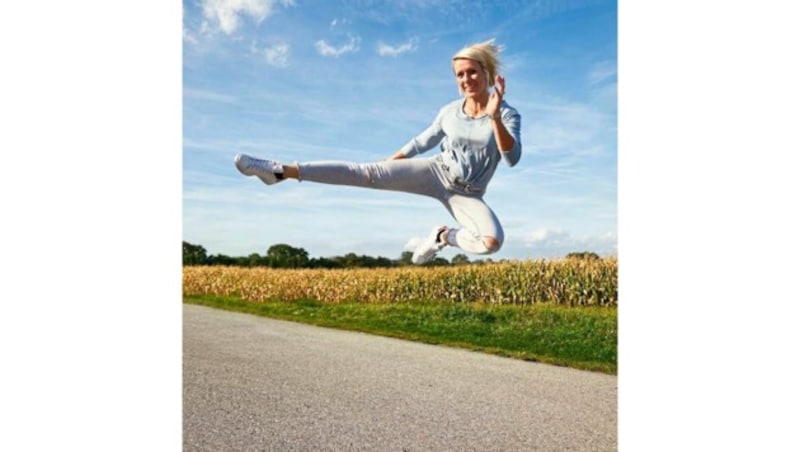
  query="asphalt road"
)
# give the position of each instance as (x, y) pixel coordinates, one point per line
(251, 384)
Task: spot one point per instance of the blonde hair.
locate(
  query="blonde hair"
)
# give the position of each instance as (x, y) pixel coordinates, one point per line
(485, 53)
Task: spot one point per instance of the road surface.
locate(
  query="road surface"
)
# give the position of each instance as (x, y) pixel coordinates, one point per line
(252, 383)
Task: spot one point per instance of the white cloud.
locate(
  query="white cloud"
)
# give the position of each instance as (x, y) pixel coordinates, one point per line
(326, 49)
(559, 243)
(336, 22)
(189, 37)
(198, 94)
(413, 243)
(387, 50)
(226, 13)
(602, 71)
(566, 127)
(277, 55)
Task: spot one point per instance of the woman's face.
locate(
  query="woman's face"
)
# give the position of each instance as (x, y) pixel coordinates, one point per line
(470, 77)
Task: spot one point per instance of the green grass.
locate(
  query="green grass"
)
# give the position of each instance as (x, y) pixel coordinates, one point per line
(579, 337)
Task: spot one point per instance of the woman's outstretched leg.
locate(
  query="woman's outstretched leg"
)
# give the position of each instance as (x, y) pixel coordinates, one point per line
(411, 176)
(408, 175)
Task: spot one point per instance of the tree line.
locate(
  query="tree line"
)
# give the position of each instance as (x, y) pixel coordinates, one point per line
(287, 256)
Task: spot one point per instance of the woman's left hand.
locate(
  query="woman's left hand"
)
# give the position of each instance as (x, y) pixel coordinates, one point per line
(496, 98)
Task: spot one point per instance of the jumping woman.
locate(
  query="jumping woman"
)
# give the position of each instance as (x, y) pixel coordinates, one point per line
(474, 133)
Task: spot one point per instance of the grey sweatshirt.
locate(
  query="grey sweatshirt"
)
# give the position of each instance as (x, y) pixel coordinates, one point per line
(469, 151)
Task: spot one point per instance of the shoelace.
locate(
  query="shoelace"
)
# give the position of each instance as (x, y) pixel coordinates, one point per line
(255, 163)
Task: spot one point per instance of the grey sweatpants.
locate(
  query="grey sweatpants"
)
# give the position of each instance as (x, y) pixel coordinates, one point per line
(422, 176)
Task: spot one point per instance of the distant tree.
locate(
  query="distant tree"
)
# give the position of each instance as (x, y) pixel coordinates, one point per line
(459, 259)
(194, 254)
(285, 256)
(352, 260)
(349, 260)
(220, 259)
(405, 258)
(323, 262)
(255, 260)
(587, 255)
(381, 261)
(438, 262)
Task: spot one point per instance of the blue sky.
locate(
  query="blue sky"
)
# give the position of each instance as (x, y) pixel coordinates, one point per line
(354, 80)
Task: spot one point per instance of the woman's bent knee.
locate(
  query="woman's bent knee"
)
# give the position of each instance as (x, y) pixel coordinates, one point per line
(492, 244)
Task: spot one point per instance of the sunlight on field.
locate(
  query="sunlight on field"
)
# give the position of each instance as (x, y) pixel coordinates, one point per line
(569, 282)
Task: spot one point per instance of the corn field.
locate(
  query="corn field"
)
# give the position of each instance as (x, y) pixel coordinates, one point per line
(566, 282)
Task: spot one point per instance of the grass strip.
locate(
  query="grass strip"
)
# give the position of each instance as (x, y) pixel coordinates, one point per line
(578, 337)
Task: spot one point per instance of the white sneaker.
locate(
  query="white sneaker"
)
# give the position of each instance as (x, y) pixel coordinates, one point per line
(268, 171)
(428, 249)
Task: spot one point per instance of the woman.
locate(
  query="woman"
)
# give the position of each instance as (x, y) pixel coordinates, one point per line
(474, 133)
